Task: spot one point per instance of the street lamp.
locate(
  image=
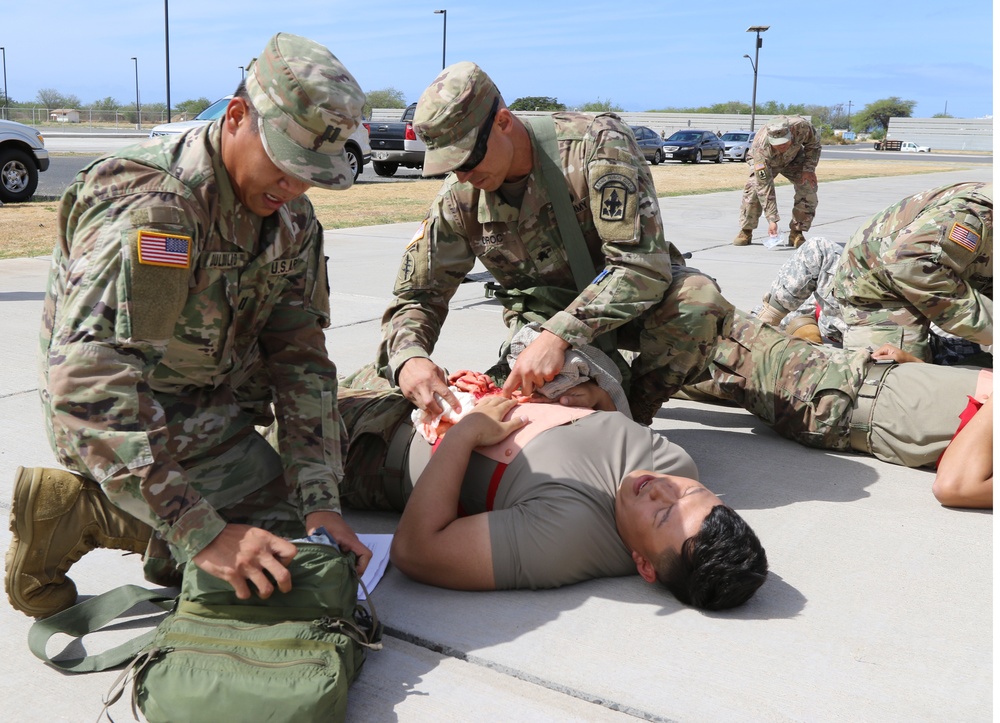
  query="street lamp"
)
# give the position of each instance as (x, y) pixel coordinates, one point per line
(166, 45)
(849, 104)
(5, 94)
(444, 36)
(243, 73)
(755, 63)
(138, 112)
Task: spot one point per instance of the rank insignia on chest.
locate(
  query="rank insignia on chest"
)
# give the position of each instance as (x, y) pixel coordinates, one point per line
(614, 189)
(163, 249)
(964, 236)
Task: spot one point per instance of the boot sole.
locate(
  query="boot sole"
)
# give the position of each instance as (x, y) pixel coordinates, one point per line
(21, 526)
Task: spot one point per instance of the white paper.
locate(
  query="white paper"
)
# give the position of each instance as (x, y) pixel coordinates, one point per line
(379, 545)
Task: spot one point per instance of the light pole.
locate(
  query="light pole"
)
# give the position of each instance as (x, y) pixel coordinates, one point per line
(138, 112)
(166, 45)
(444, 36)
(5, 98)
(755, 63)
(243, 73)
(849, 116)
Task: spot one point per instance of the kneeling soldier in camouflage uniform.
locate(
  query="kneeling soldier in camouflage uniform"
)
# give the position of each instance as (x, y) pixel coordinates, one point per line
(873, 403)
(563, 212)
(791, 147)
(928, 258)
(188, 295)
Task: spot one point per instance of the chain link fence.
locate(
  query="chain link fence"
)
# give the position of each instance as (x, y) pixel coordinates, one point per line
(123, 118)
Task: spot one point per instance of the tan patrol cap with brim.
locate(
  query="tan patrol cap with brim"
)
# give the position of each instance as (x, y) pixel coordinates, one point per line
(309, 104)
(778, 132)
(450, 114)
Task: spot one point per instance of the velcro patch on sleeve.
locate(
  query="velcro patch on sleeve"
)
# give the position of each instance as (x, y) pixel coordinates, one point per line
(964, 236)
(164, 249)
(614, 199)
(158, 290)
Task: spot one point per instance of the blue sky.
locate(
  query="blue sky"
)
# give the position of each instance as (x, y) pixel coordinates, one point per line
(640, 56)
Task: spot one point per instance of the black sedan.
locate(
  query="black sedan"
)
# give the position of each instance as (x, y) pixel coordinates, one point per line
(690, 146)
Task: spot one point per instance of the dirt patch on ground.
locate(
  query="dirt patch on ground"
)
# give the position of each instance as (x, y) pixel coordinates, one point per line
(29, 229)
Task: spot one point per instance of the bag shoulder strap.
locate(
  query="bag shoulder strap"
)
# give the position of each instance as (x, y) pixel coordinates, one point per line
(90, 616)
(580, 262)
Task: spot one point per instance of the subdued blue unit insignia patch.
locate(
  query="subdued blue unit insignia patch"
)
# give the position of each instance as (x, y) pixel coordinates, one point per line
(163, 249)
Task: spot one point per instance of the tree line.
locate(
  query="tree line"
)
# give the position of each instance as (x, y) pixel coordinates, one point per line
(871, 118)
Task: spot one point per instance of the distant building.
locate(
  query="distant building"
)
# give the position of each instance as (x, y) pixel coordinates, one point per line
(65, 115)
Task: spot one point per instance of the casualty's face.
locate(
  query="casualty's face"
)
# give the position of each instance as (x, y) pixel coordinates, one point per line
(654, 512)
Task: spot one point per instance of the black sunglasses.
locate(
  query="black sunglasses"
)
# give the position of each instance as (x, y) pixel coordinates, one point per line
(479, 150)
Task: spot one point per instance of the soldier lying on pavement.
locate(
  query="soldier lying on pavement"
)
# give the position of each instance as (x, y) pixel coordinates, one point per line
(563, 213)
(187, 295)
(537, 495)
(884, 403)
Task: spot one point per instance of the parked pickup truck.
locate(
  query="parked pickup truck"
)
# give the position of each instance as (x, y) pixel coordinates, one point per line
(22, 156)
(394, 144)
(888, 145)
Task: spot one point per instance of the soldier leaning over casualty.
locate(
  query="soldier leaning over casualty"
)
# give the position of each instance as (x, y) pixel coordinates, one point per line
(187, 296)
(497, 206)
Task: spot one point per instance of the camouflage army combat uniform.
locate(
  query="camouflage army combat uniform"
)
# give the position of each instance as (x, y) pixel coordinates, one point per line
(803, 283)
(928, 258)
(642, 291)
(834, 399)
(802, 156)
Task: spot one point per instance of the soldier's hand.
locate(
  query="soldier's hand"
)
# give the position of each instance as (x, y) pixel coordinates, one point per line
(540, 361)
(810, 178)
(588, 395)
(420, 379)
(240, 555)
(772, 228)
(341, 532)
(888, 352)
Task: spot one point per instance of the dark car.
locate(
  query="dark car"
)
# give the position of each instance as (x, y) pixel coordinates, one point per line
(690, 146)
(650, 142)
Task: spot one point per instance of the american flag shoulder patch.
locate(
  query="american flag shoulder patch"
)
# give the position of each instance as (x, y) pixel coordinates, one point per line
(164, 249)
(964, 236)
(421, 229)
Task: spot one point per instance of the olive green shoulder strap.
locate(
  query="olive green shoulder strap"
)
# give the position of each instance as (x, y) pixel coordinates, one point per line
(544, 128)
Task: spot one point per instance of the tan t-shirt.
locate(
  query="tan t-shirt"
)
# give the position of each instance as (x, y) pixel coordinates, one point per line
(553, 519)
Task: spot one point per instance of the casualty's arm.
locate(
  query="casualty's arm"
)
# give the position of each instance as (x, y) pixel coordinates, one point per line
(432, 544)
(965, 473)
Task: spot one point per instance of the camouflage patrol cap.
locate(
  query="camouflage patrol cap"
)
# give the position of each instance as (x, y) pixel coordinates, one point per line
(308, 104)
(779, 132)
(449, 114)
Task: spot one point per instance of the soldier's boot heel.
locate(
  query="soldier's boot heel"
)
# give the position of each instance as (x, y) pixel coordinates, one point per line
(56, 518)
(795, 238)
(743, 237)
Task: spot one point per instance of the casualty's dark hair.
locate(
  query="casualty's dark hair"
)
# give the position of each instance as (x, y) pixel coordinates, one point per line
(720, 567)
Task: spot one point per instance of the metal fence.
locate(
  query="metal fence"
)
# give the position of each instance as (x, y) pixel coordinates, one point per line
(955, 134)
(120, 118)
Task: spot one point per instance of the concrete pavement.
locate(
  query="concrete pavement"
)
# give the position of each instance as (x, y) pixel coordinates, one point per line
(878, 607)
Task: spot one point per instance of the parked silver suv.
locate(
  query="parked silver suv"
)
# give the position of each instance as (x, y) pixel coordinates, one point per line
(358, 150)
(737, 144)
(22, 157)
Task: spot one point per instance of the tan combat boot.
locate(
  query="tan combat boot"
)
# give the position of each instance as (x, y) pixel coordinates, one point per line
(743, 237)
(57, 517)
(805, 327)
(795, 238)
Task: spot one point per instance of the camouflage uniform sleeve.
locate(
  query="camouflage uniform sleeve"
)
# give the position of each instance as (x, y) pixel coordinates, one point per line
(626, 214)
(304, 380)
(927, 265)
(811, 146)
(799, 277)
(99, 362)
(760, 162)
(434, 263)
